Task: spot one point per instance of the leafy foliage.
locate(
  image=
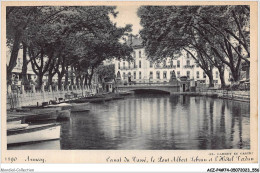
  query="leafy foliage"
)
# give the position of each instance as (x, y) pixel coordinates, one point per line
(214, 35)
(60, 38)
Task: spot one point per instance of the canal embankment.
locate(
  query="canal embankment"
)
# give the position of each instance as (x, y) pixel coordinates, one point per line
(15, 100)
(223, 94)
(33, 98)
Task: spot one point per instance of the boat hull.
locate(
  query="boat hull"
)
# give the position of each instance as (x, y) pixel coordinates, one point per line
(124, 93)
(34, 133)
(80, 107)
(64, 114)
(45, 116)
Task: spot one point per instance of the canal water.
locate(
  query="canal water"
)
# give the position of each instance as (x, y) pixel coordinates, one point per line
(156, 122)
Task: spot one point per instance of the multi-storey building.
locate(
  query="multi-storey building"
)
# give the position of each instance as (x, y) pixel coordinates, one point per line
(142, 70)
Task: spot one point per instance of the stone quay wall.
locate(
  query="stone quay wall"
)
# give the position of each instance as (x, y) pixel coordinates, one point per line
(224, 94)
(33, 98)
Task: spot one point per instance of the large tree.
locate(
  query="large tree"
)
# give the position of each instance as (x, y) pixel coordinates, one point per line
(222, 30)
(18, 19)
(106, 72)
(62, 39)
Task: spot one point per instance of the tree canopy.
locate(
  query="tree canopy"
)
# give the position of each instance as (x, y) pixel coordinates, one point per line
(212, 35)
(63, 38)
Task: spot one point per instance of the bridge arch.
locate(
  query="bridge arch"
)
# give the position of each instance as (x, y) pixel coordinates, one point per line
(155, 91)
(156, 87)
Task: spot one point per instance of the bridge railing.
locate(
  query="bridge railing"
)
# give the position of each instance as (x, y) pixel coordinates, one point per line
(147, 84)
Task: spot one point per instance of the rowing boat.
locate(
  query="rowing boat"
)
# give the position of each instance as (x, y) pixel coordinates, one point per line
(79, 107)
(34, 133)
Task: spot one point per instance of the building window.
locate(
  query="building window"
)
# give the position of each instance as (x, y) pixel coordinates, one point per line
(129, 76)
(134, 75)
(188, 74)
(188, 62)
(171, 63)
(178, 64)
(204, 75)
(178, 74)
(198, 74)
(198, 65)
(129, 64)
(165, 75)
(164, 63)
(134, 54)
(123, 75)
(151, 75)
(157, 75)
(188, 55)
(134, 64)
(140, 54)
(123, 65)
(140, 75)
(216, 74)
(151, 64)
(140, 64)
(119, 65)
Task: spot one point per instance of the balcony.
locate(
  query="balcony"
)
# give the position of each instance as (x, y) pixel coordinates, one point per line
(158, 66)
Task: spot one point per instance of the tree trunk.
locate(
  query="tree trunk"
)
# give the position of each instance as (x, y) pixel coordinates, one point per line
(71, 76)
(77, 81)
(90, 76)
(90, 79)
(25, 80)
(86, 80)
(50, 76)
(235, 75)
(60, 81)
(221, 76)
(39, 80)
(13, 57)
(81, 80)
(66, 77)
(210, 75)
(211, 82)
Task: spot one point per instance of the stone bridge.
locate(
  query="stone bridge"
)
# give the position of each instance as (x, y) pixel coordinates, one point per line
(165, 87)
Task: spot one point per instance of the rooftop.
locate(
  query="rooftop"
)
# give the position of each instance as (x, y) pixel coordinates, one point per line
(134, 41)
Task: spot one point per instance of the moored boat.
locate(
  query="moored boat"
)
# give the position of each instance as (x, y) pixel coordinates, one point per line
(64, 114)
(43, 116)
(118, 98)
(62, 106)
(124, 93)
(79, 107)
(34, 133)
(82, 110)
(14, 122)
(47, 113)
(16, 126)
(100, 100)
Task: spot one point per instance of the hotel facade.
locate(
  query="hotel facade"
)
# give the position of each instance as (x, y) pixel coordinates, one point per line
(142, 70)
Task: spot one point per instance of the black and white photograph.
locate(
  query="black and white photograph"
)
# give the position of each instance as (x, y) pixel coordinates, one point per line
(128, 77)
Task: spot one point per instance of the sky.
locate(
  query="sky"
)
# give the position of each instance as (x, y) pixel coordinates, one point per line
(128, 15)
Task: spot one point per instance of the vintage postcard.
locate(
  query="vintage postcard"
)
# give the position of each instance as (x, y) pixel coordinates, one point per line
(129, 82)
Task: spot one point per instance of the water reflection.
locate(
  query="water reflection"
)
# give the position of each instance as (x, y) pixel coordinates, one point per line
(160, 122)
(156, 122)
